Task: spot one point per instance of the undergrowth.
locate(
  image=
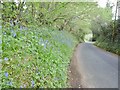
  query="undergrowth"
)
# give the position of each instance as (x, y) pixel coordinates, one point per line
(109, 46)
(35, 57)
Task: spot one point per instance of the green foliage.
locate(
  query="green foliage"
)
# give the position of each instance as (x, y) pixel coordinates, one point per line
(59, 15)
(39, 37)
(108, 46)
(105, 38)
(36, 57)
(105, 31)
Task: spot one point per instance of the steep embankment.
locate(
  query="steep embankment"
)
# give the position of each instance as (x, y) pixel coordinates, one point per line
(36, 57)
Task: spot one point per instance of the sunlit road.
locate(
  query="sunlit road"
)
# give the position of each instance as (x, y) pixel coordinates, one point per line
(98, 68)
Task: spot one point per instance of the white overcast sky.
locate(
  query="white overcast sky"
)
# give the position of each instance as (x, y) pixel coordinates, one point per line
(102, 3)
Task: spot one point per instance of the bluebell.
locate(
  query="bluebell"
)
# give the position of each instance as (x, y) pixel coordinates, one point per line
(33, 83)
(6, 59)
(6, 74)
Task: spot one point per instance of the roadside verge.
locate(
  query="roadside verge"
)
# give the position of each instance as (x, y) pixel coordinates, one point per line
(73, 72)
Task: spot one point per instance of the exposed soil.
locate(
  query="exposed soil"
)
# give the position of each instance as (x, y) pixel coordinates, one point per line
(73, 72)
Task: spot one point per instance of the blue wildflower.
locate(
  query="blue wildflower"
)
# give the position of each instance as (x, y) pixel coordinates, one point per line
(41, 40)
(26, 28)
(56, 79)
(21, 86)
(0, 27)
(12, 31)
(0, 41)
(10, 83)
(33, 83)
(6, 74)
(38, 73)
(21, 27)
(14, 34)
(58, 50)
(45, 46)
(46, 41)
(6, 59)
(4, 33)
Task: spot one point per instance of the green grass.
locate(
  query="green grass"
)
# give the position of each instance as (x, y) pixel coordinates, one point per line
(109, 46)
(36, 57)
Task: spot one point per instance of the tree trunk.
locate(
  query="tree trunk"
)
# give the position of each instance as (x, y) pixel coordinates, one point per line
(114, 26)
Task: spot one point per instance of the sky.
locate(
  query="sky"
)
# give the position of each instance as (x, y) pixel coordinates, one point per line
(102, 3)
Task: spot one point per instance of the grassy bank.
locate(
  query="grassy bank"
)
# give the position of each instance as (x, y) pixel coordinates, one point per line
(109, 46)
(36, 57)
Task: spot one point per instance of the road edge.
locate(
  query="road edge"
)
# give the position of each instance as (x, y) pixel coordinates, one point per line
(74, 77)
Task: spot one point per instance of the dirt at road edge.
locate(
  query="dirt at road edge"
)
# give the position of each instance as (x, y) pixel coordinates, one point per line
(73, 72)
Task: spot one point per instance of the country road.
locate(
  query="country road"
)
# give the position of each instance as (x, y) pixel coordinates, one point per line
(96, 67)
